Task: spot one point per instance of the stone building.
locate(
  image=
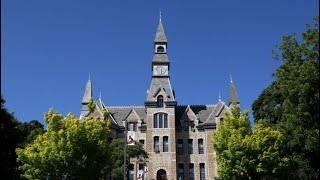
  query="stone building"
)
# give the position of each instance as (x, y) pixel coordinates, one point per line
(177, 138)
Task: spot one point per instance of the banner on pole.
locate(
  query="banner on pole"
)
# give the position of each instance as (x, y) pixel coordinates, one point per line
(130, 138)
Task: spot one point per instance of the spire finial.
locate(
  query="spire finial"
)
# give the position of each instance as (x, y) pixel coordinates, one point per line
(160, 17)
(89, 76)
(219, 98)
(100, 96)
(231, 81)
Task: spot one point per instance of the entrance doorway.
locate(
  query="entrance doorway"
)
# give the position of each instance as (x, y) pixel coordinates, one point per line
(161, 175)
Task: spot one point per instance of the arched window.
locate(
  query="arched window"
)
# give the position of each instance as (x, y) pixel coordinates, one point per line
(160, 49)
(160, 101)
(160, 120)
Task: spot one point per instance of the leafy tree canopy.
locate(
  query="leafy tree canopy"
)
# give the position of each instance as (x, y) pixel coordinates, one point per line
(73, 149)
(291, 102)
(14, 134)
(243, 153)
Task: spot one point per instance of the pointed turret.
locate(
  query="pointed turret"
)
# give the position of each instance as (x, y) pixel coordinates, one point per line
(233, 98)
(160, 35)
(87, 92)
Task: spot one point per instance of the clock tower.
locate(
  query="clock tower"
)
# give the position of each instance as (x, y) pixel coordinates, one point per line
(160, 108)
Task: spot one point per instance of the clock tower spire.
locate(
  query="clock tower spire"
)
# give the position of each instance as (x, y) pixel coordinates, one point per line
(160, 82)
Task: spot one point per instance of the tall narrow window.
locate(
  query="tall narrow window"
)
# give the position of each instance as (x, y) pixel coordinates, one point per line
(160, 101)
(161, 120)
(190, 146)
(202, 172)
(200, 146)
(180, 171)
(131, 171)
(165, 144)
(156, 144)
(180, 146)
(165, 121)
(141, 172)
(191, 171)
(155, 121)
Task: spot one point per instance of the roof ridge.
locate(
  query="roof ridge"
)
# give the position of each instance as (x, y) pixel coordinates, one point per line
(209, 105)
(128, 106)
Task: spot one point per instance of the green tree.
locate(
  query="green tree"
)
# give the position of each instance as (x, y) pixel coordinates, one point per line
(28, 131)
(69, 149)
(14, 134)
(291, 103)
(243, 153)
(73, 149)
(9, 140)
(117, 157)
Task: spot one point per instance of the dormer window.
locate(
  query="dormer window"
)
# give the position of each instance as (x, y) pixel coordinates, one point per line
(160, 101)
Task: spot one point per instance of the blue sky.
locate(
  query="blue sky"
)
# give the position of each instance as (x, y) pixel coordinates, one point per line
(50, 47)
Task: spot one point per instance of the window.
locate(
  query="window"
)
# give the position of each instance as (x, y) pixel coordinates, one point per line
(141, 141)
(165, 121)
(202, 172)
(180, 146)
(190, 146)
(160, 120)
(165, 144)
(180, 172)
(132, 126)
(200, 146)
(156, 144)
(141, 171)
(191, 171)
(160, 101)
(131, 171)
(160, 49)
(155, 121)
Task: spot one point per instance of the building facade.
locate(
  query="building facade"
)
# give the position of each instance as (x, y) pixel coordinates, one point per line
(177, 138)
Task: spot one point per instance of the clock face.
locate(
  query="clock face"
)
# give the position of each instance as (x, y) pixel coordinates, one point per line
(160, 70)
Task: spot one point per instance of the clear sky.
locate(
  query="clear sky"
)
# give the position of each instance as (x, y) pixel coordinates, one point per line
(49, 48)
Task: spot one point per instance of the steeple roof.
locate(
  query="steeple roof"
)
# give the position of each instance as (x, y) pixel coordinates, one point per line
(233, 98)
(160, 35)
(87, 92)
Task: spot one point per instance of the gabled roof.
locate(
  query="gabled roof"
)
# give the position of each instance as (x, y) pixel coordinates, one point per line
(162, 84)
(189, 114)
(120, 113)
(132, 116)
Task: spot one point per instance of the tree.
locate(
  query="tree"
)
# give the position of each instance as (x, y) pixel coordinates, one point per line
(73, 149)
(14, 134)
(28, 131)
(243, 153)
(117, 157)
(69, 149)
(291, 103)
(9, 139)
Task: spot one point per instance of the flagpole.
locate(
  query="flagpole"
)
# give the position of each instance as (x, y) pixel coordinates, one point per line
(125, 152)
